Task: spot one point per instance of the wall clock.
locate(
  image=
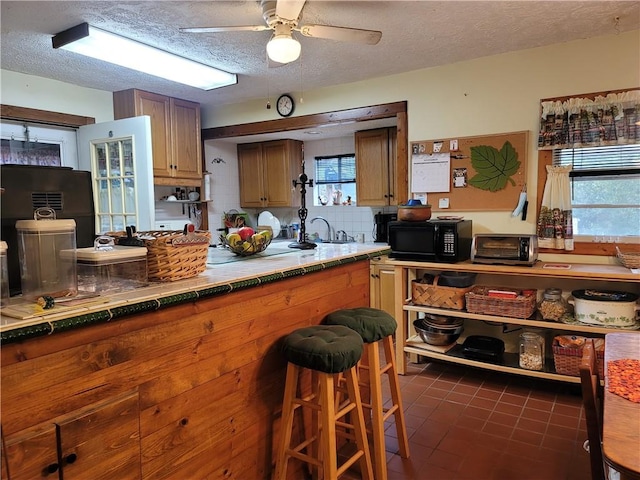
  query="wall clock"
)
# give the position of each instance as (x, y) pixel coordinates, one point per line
(285, 105)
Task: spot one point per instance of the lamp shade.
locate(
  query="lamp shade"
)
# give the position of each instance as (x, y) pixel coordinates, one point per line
(283, 48)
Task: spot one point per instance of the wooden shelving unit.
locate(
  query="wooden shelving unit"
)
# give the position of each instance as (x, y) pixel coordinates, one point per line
(577, 276)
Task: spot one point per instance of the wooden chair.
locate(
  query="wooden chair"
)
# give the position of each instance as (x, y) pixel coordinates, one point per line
(592, 395)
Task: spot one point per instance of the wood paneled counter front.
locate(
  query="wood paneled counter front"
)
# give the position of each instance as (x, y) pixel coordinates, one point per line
(177, 380)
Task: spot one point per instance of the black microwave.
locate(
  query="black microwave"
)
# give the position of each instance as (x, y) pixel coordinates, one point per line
(447, 241)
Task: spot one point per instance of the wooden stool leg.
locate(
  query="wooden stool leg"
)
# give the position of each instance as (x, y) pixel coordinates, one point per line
(328, 447)
(316, 429)
(286, 423)
(377, 413)
(359, 425)
(392, 372)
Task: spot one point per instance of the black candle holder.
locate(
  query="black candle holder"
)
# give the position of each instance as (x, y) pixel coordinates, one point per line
(302, 182)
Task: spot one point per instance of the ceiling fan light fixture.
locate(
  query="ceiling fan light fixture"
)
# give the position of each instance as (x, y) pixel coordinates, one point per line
(283, 48)
(109, 47)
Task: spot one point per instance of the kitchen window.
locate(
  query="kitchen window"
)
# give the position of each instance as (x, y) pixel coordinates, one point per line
(335, 182)
(605, 192)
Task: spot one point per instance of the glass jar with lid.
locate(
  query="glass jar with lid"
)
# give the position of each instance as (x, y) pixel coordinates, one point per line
(532, 351)
(553, 306)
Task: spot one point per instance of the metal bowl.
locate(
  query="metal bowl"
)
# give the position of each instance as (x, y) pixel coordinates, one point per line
(255, 244)
(437, 335)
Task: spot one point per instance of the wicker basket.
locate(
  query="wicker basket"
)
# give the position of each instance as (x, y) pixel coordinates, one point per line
(479, 301)
(434, 295)
(567, 359)
(629, 259)
(167, 259)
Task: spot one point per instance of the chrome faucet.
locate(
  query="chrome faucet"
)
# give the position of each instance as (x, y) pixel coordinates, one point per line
(342, 236)
(329, 236)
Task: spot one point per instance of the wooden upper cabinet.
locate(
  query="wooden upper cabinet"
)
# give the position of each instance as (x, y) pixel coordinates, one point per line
(376, 168)
(175, 134)
(186, 145)
(250, 172)
(267, 170)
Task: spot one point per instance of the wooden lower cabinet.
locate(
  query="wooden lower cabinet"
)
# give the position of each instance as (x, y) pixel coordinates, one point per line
(383, 286)
(101, 441)
(209, 377)
(33, 454)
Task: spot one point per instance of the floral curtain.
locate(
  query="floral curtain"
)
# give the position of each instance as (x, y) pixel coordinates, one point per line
(590, 122)
(555, 229)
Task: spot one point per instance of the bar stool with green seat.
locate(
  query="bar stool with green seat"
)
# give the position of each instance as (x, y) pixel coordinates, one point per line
(325, 350)
(376, 327)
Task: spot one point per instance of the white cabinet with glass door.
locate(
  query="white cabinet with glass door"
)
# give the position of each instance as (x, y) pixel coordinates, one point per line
(118, 154)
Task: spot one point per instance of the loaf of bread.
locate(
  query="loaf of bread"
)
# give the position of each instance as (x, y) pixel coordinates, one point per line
(570, 341)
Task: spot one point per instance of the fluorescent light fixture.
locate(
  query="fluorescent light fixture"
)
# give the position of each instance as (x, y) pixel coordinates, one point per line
(282, 47)
(94, 42)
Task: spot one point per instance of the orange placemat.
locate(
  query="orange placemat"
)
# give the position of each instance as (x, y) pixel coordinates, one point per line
(624, 378)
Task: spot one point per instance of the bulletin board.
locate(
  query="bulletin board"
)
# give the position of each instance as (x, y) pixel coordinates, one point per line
(495, 157)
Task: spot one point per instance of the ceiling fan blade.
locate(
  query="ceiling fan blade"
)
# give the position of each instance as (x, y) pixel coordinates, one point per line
(239, 28)
(289, 9)
(343, 34)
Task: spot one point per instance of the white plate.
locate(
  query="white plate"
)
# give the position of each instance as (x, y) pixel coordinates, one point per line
(268, 219)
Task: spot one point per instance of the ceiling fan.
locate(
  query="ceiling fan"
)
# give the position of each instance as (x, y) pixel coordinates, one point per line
(282, 16)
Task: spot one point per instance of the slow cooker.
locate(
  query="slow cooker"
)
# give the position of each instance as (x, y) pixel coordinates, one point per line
(605, 307)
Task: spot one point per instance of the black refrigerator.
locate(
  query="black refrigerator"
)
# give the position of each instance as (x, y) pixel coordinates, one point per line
(26, 188)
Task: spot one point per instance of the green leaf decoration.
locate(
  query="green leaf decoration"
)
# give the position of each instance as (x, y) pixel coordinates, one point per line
(494, 168)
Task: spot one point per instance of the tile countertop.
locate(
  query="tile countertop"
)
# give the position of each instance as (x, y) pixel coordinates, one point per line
(219, 278)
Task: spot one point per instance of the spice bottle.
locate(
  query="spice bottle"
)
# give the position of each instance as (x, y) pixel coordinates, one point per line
(553, 306)
(531, 351)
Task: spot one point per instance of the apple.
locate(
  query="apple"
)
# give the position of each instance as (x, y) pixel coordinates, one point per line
(245, 233)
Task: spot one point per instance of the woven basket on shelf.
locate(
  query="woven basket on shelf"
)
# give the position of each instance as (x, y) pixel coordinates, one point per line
(168, 259)
(479, 301)
(567, 359)
(434, 295)
(629, 259)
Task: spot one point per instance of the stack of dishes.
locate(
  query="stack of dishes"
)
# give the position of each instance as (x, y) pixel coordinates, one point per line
(267, 219)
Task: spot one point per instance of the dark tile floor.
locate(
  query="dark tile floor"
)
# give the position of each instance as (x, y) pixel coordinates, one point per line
(466, 423)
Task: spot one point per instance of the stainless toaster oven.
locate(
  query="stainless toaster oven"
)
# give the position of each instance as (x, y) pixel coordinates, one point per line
(504, 249)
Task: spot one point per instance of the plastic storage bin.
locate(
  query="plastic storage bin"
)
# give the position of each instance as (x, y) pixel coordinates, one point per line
(43, 268)
(111, 268)
(4, 274)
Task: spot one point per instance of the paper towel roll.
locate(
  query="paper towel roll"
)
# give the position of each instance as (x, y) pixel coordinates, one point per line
(207, 187)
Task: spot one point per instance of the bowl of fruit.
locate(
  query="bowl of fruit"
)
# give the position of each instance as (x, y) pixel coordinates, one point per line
(246, 241)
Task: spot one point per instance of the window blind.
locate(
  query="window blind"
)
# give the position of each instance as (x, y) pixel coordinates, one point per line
(600, 161)
(336, 169)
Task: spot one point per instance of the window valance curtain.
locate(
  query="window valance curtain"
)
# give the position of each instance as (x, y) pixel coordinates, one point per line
(590, 121)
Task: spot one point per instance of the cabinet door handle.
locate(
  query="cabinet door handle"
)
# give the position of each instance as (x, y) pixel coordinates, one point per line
(71, 458)
(53, 468)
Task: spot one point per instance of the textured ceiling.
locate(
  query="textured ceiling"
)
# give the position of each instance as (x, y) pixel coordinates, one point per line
(415, 35)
